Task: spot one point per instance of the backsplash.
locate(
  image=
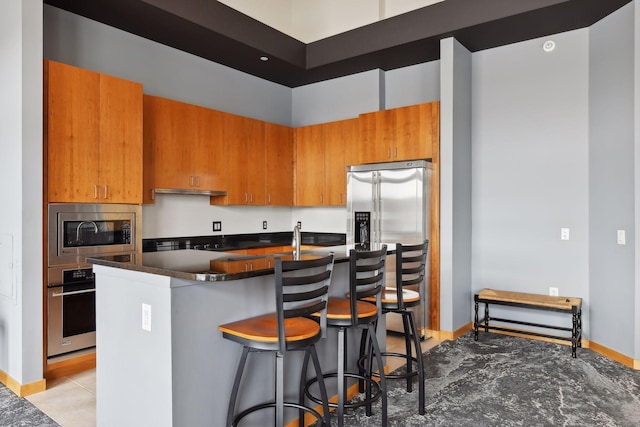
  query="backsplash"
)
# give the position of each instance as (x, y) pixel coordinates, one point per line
(185, 215)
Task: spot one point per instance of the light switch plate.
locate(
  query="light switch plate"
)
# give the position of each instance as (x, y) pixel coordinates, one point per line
(622, 238)
(146, 317)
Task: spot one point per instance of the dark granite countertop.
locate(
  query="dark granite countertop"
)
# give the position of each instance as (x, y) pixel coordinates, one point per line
(240, 241)
(215, 265)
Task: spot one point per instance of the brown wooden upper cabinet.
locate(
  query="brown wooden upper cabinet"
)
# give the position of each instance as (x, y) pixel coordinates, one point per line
(260, 161)
(323, 152)
(184, 147)
(279, 164)
(405, 133)
(245, 158)
(93, 136)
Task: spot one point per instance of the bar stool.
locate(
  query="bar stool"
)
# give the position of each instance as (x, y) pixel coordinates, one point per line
(410, 271)
(366, 281)
(301, 290)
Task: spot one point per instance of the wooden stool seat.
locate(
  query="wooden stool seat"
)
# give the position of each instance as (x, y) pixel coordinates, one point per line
(340, 308)
(390, 296)
(265, 328)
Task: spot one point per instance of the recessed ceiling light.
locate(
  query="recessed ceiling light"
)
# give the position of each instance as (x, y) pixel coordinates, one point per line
(548, 46)
(264, 58)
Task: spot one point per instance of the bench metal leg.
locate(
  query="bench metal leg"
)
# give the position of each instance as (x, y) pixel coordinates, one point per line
(575, 330)
(486, 317)
(475, 319)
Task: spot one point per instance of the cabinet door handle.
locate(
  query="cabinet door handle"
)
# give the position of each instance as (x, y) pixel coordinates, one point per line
(388, 153)
(153, 194)
(95, 191)
(251, 197)
(198, 181)
(246, 197)
(191, 180)
(105, 191)
(395, 152)
(321, 199)
(269, 198)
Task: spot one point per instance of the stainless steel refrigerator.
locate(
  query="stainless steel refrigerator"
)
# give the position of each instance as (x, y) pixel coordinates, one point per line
(390, 203)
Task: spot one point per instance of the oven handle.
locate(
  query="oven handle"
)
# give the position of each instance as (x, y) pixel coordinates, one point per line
(64, 294)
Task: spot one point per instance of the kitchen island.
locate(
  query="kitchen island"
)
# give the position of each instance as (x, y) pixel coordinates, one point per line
(161, 360)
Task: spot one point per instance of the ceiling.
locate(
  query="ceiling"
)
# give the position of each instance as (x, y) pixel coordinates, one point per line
(312, 20)
(214, 31)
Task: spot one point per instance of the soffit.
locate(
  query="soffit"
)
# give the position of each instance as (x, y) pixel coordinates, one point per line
(219, 33)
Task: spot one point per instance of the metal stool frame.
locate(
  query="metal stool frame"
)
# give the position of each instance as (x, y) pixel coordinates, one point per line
(366, 281)
(300, 292)
(410, 270)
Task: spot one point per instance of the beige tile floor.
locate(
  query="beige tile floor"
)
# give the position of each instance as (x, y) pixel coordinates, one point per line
(71, 401)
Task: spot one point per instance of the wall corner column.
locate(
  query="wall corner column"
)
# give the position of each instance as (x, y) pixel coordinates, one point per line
(455, 185)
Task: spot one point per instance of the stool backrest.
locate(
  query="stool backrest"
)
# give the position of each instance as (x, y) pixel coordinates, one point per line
(301, 290)
(411, 261)
(366, 277)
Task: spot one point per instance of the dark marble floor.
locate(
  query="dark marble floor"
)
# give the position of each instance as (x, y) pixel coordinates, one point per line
(496, 381)
(507, 381)
(17, 411)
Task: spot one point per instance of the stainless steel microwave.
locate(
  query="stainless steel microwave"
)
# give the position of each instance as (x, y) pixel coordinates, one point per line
(77, 231)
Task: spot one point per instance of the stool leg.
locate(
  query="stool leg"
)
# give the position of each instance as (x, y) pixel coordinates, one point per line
(303, 382)
(383, 381)
(363, 349)
(368, 371)
(236, 386)
(407, 344)
(323, 389)
(416, 343)
(342, 336)
(279, 374)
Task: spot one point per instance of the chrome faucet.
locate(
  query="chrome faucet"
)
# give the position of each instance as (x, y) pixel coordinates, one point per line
(295, 243)
(95, 228)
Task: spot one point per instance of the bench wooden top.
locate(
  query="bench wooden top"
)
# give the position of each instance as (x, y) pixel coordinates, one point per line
(563, 303)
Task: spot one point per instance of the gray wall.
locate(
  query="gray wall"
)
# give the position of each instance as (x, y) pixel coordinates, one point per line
(611, 180)
(455, 185)
(412, 85)
(636, 241)
(530, 167)
(336, 99)
(21, 175)
(162, 70)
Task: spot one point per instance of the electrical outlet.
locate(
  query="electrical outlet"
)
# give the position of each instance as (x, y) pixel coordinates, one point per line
(564, 234)
(146, 317)
(217, 225)
(300, 225)
(553, 291)
(264, 225)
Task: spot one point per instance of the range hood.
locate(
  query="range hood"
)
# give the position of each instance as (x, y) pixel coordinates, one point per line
(190, 192)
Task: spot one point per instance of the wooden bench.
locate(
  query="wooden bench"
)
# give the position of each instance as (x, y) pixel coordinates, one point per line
(568, 305)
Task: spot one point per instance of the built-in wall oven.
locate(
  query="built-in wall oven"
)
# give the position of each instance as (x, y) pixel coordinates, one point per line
(75, 232)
